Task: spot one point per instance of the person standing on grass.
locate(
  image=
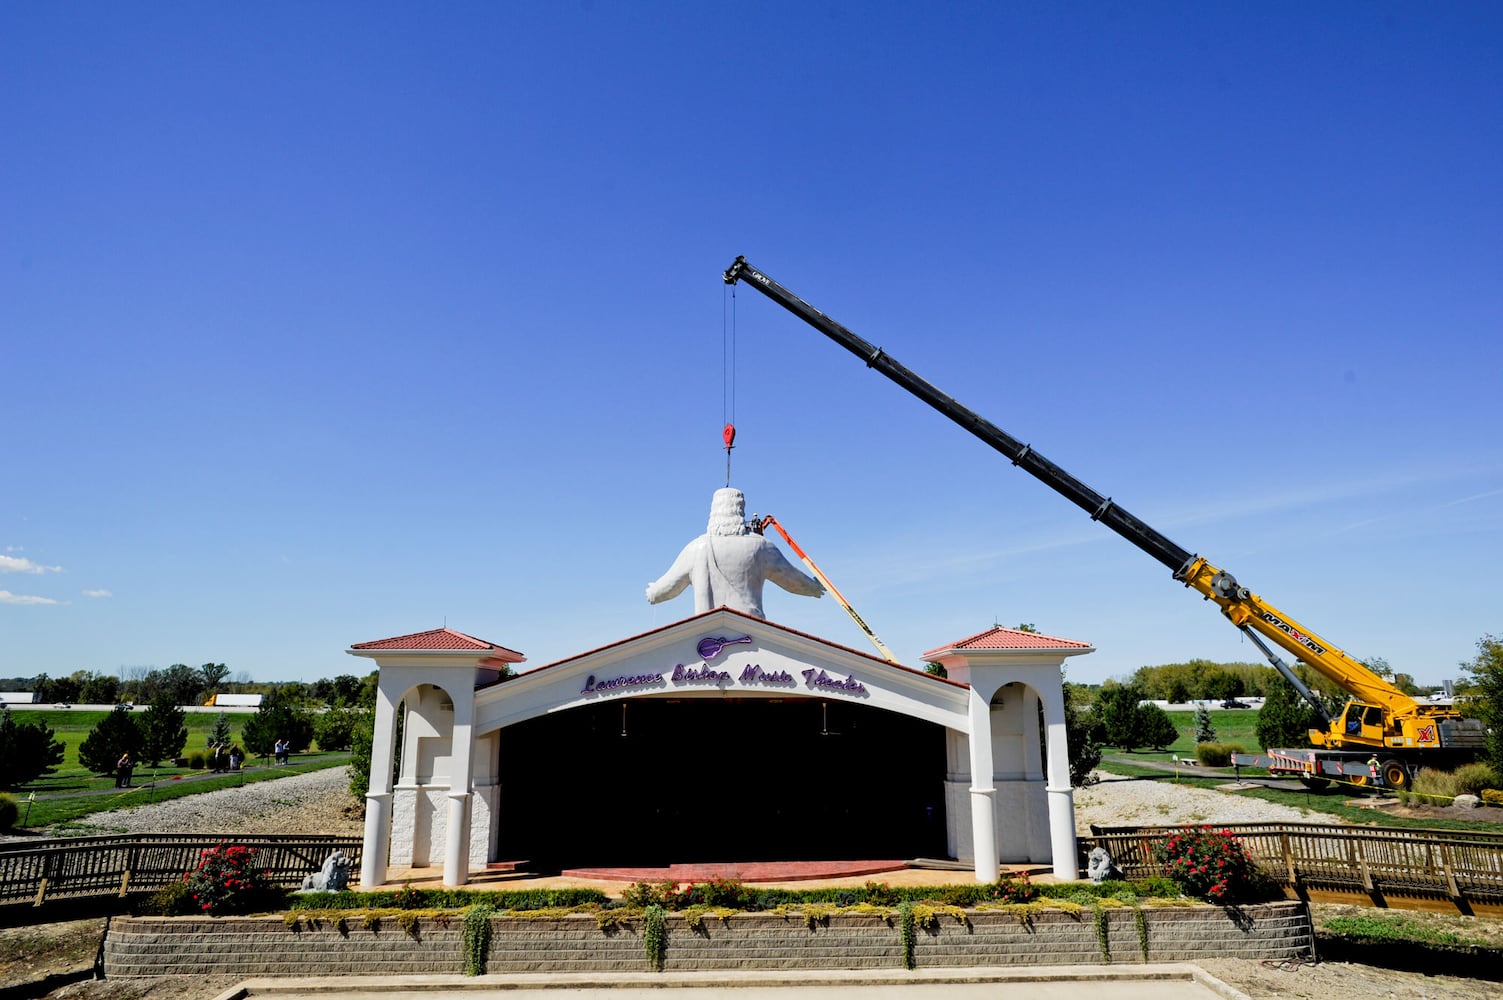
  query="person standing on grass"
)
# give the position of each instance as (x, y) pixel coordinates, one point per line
(122, 771)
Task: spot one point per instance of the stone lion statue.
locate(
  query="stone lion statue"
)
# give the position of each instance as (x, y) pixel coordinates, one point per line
(334, 876)
(728, 564)
(1099, 866)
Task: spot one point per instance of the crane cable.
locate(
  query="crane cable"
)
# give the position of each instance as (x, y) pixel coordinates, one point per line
(728, 375)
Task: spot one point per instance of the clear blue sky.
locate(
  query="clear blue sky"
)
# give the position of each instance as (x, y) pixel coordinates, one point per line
(322, 323)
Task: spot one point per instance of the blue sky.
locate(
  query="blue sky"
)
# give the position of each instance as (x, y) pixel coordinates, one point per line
(322, 323)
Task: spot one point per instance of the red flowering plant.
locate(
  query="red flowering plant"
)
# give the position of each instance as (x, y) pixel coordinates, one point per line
(727, 892)
(1012, 889)
(1211, 864)
(225, 881)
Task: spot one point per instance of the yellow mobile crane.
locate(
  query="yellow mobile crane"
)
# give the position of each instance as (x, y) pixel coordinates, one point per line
(1379, 721)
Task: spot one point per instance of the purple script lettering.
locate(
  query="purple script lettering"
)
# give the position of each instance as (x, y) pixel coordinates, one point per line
(703, 673)
(626, 680)
(820, 679)
(754, 674)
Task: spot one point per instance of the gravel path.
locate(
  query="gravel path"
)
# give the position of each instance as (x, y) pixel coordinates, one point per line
(316, 802)
(1121, 801)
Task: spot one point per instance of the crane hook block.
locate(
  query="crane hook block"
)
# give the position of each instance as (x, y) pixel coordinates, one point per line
(729, 434)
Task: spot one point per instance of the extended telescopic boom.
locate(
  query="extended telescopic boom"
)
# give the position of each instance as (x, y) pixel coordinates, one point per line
(1404, 720)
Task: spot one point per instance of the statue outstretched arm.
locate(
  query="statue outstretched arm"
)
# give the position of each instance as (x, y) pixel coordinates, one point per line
(788, 576)
(672, 583)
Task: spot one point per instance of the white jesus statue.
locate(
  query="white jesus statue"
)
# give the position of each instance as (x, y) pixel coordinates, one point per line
(728, 564)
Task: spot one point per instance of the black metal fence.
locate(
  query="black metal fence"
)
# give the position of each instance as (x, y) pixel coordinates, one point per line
(1461, 867)
(33, 872)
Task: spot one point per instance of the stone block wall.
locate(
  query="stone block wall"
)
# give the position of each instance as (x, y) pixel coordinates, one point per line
(265, 946)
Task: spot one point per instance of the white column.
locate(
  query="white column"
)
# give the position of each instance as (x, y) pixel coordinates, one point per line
(462, 748)
(1061, 795)
(378, 795)
(457, 840)
(983, 788)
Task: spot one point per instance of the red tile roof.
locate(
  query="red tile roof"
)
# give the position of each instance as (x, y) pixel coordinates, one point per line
(998, 637)
(442, 638)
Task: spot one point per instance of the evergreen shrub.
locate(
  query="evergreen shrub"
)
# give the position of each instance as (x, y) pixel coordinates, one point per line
(10, 811)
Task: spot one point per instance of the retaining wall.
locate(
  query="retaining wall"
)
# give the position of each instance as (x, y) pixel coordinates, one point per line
(266, 946)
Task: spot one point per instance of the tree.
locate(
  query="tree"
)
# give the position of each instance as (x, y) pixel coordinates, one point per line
(1117, 711)
(27, 750)
(360, 756)
(1205, 731)
(1080, 738)
(99, 689)
(117, 733)
(1223, 686)
(59, 690)
(182, 684)
(219, 733)
(345, 690)
(213, 675)
(1285, 720)
(1177, 693)
(277, 719)
(1154, 726)
(163, 730)
(1486, 669)
(334, 729)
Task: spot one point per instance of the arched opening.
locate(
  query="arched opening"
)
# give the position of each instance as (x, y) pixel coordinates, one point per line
(648, 782)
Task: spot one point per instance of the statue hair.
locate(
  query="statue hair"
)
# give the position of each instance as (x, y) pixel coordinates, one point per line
(727, 513)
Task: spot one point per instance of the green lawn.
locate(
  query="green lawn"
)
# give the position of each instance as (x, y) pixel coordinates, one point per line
(1233, 725)
(59, 814)
(1331, 801)
(70, 727)
(1239, 726)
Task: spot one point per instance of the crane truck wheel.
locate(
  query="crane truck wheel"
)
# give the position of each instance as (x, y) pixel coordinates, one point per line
(1395, 775)
(1360, 780)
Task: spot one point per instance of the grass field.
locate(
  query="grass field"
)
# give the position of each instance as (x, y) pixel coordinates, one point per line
(59, 814)
(64, 795)
(1239, 726)
(70, 727)
(1233, 725)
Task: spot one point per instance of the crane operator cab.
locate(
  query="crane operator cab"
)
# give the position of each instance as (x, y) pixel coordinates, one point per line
(1363, 722)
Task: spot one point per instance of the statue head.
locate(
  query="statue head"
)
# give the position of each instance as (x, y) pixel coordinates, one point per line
(727, 513)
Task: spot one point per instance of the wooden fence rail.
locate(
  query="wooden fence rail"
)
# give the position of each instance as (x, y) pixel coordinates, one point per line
(1460, 868)
(34, 872)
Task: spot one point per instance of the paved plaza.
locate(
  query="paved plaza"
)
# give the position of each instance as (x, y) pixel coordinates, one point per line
(1169, 981)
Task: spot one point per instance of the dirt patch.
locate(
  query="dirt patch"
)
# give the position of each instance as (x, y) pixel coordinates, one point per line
(1329, 980)
(1481, 814)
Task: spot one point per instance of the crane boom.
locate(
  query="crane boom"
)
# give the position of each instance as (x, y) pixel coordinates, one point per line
(1404, 722)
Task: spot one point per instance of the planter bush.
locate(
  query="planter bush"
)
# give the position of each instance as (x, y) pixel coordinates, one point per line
(1208, 864)
(1216, 754)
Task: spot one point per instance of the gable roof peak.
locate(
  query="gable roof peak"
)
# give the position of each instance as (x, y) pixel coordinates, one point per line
(443, 639)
